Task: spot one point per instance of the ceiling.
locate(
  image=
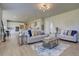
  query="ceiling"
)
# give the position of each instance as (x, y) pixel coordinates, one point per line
(30, 11)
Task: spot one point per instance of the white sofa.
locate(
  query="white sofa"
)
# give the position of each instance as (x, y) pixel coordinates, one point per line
(25, 38)
(69, 37)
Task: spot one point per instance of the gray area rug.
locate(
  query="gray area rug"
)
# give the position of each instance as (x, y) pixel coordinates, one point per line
(56, 51)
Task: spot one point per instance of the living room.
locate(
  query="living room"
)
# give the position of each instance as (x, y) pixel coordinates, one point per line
(53, 28)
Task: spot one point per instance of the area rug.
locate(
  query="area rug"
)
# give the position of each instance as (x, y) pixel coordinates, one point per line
(56, 51)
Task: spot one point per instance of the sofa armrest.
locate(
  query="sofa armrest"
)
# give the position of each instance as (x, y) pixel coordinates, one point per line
(75, 37)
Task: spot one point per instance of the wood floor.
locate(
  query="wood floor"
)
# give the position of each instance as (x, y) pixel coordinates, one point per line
(11, 48)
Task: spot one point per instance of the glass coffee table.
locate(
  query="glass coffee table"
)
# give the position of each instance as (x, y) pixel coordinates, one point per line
(50, 42)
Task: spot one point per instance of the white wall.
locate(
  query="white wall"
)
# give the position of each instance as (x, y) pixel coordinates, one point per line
(49, 26)
(39, 23)
(14, 24)
(67, 20)
(7, 15)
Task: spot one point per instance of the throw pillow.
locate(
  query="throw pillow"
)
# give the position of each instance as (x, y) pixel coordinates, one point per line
(69, 33)
(30, 33)
(73, 32)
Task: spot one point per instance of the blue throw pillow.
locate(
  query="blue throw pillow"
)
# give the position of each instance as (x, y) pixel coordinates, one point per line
(73, 32)
(30, 33)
